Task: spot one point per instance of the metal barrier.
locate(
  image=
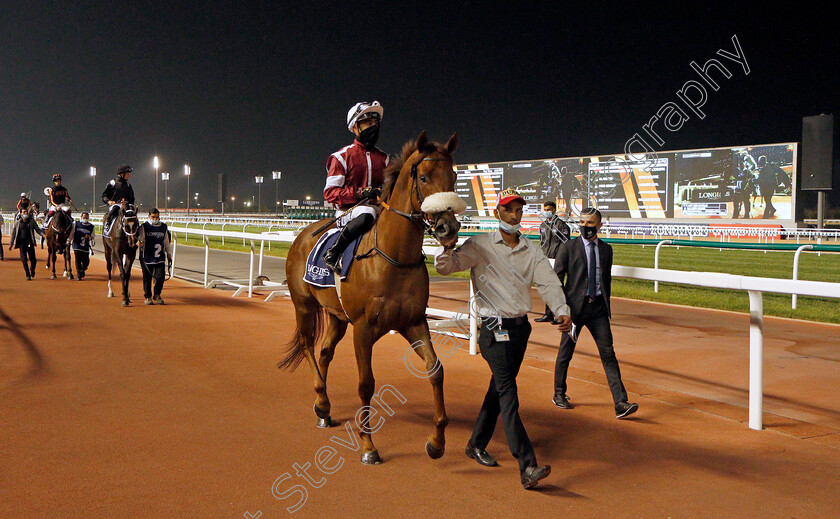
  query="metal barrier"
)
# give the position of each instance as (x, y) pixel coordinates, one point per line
(755, 287)
(745, 246)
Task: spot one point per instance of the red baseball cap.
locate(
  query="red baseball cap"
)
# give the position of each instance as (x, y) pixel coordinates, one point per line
(507, 196)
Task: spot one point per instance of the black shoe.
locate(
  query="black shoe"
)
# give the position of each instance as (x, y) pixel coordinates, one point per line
(480, 455)
(545, 318)
(562, 401)
(532, 475)
(624, 409)
(28, 278)
(331, 259)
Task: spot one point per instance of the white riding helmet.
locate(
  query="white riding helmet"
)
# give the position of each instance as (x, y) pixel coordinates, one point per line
(362, 111)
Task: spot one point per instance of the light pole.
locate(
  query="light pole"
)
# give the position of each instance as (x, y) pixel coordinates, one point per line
(233, 204)
(93, 198)
(187, 173)
(275, 175)
(259, 179)
(156, 165)
(165, 177)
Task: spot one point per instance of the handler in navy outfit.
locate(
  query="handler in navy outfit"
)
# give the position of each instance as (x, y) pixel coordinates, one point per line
(155, 252)
(586, 265)
(82, 234)
(503, 265)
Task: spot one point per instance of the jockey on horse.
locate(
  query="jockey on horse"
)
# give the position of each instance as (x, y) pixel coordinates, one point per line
(355, 174)
(24, 205)
(118, 190)
(58, 196)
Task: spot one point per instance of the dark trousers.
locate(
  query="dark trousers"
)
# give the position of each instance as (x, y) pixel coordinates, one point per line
(504, 359)
(1, 243)
(594, 317)
(741, 200)
(769, 210)
(82, 262)
(27, 257)
(157, 272)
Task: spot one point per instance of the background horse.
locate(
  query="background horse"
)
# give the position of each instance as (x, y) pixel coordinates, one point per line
(58, 234)
(121, 247)
(369, 300)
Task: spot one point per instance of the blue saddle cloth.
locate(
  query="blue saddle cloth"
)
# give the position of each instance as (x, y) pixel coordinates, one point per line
(317, 272)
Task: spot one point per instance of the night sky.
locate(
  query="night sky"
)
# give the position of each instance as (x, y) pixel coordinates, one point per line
(247, 88)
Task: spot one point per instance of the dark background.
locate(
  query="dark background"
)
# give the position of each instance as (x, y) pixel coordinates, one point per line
(247, 89)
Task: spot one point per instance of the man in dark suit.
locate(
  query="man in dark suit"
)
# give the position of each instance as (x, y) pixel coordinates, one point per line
(584, 266)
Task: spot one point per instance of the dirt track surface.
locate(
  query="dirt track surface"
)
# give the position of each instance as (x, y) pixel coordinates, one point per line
(179, 411)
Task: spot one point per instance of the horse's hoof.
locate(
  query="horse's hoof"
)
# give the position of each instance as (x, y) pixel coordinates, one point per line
(326, 423)
(371, 458)
(110, 294)
(71, 277)
(433, 451)
(53, 276)
(124, 303)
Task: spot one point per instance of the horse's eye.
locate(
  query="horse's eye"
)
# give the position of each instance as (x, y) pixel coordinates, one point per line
(422, 178)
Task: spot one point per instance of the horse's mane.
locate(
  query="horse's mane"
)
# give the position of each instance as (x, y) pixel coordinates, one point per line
(392, 172)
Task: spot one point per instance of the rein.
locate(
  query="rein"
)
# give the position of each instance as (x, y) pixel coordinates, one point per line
(58, 229)
(418, 217)
(414, 217)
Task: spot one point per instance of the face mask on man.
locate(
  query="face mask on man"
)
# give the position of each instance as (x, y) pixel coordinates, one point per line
(25, 216)
(547, 215)
(508, 228)
(369, 136)
(85, 220)
(588, 231)
(154, 221)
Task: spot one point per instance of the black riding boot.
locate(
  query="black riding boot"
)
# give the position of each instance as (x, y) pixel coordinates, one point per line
(355, 228)
(109, 221)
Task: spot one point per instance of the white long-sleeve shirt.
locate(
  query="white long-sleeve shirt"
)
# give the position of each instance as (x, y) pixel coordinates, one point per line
(503, 276)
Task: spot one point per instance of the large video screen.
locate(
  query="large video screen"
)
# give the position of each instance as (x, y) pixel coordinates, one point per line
(725, 183)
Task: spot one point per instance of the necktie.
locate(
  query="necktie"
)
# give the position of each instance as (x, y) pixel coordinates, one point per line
(590, 288)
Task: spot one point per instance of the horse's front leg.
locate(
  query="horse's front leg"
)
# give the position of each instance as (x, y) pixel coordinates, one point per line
(52, 254)
(68, 266)
(420, 341)
(363, 339)
(123, 281)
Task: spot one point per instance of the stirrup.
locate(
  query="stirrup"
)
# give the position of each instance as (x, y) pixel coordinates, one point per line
(333, 264)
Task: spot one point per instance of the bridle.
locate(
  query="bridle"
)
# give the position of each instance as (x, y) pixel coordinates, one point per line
(125, 218)
(54, 222)
(416, 217)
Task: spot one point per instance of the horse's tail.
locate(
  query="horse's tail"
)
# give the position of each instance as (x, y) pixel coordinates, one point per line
(307, 332)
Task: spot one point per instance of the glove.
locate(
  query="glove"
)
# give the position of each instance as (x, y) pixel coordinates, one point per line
(369, 193)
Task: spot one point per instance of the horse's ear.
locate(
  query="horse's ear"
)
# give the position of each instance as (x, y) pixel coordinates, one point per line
(422, 140)
(452, 143)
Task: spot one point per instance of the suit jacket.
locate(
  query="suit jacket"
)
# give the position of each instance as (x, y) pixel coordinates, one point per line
(553, 233)
(570, 266)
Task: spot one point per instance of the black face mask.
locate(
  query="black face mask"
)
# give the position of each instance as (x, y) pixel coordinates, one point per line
(369, 136)
(588, 232)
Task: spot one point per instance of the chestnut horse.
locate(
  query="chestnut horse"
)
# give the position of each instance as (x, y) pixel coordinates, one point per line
(58, 239)
(390, 256)
(121, 247)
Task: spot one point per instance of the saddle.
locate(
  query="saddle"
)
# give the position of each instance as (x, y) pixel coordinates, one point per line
(317, 272)
(109, 219)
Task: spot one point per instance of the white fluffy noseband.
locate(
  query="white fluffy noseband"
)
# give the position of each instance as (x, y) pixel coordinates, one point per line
(442, 202)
